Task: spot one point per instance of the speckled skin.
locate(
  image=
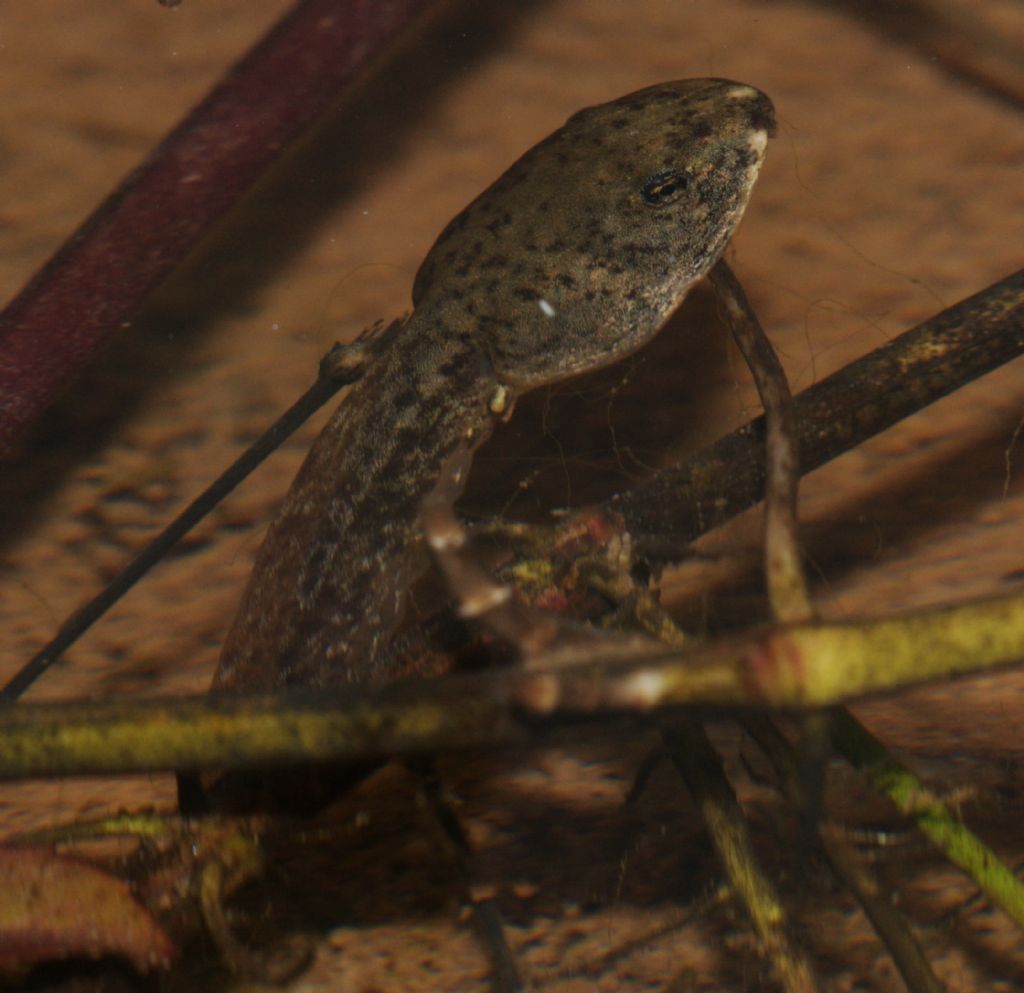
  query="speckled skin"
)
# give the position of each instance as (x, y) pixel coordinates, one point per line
(572, 259)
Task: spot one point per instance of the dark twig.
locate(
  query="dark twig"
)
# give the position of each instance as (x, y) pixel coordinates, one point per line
(921, 366)
(700, 766)
(784, 574)
(888, 922)
(72, 307)
(791, 603)
(505, 977)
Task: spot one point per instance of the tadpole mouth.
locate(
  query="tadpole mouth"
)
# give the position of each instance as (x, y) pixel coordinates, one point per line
(761, 111)
(763, 117)
(762, 114)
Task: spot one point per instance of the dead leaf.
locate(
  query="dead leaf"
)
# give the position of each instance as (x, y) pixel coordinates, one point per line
(53, 907)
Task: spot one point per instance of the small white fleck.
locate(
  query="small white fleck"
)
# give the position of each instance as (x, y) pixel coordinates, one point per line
(275, 326)
(758, 140)
(442, 541)
(545, 308)
(483, 600)
(742, 93)
(366, 213)
(500, 400)
(645, 689)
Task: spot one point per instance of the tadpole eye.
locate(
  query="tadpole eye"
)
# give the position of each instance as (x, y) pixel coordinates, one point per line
(665, 187)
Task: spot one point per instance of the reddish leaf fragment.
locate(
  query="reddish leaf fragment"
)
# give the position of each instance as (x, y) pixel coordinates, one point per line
(54, 907)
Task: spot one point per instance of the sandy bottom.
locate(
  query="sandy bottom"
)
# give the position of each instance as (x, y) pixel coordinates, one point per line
(893, 190)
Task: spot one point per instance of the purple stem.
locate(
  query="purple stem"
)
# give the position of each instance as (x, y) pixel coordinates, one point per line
(71, 308)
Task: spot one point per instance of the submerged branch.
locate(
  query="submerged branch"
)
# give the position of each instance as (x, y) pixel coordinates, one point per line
(918, 368)
(68, 312)
(796, 667)
(930, 815)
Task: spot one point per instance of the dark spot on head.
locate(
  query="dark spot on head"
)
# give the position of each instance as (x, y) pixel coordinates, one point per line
(636, 248)
(404, 398)
(746, 157)
(450, 368)
(762, 115)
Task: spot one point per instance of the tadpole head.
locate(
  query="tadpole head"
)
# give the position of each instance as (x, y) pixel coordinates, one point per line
(581, 250)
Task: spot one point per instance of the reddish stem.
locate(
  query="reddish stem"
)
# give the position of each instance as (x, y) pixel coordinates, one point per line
(71, 308)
